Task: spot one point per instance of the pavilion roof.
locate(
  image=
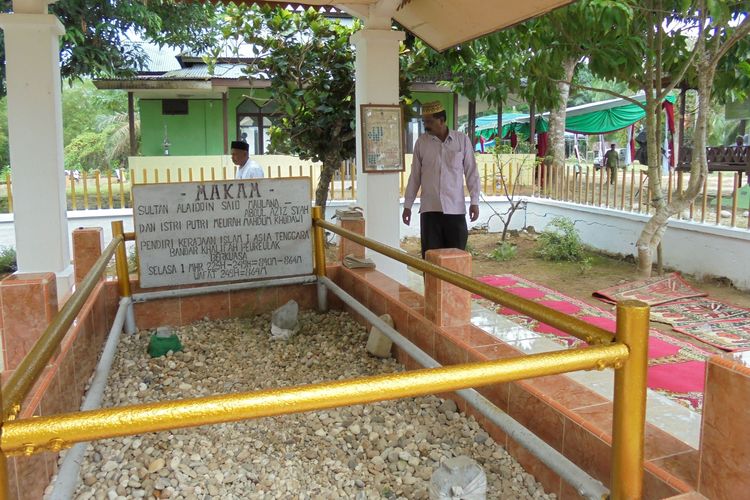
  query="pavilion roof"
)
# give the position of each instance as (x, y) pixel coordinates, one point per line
(440, 23)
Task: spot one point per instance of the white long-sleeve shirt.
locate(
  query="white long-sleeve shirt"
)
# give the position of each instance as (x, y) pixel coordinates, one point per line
(250, 170)
(439, 168)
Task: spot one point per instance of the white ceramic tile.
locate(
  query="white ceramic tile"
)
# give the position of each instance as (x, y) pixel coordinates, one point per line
(601, 382)
(537, 345)
(510, 334)
(673, 418)
(669, 416)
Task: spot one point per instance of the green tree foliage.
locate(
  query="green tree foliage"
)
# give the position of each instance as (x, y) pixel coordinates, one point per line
(560, 242)
(95, 127)
(97, 32)
(84, 107)
(310, 65)
(668, 42)
(86, 151)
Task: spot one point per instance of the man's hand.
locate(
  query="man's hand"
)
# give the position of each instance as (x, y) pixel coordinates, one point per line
(406, 216)
(473, 212)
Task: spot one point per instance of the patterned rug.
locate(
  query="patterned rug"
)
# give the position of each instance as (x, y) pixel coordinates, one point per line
(676, 368)
(653, 291)
(728, 334)
(698, 310)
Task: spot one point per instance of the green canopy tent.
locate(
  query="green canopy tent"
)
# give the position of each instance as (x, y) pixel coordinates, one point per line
(600, 117)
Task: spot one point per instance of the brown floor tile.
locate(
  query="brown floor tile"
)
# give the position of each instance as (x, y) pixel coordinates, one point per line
(682, 465)
(305, 295)
(471, 336)
(156, 313)
(565, 391)
(449, 352)
(587, 451)
(536, 415)
(243, 303)
(658, 444)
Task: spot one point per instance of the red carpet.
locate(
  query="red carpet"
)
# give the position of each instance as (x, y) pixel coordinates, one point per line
(676, 368)
(652, 291)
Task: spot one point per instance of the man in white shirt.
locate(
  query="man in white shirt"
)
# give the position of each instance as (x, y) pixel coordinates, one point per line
(249, 169)
(442, 159)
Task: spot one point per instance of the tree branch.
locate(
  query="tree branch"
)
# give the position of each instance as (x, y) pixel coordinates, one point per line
(605, 91)
(681, 73)
(742, 31)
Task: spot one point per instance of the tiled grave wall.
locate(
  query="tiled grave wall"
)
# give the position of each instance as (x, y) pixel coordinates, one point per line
(568, 416)
(62, 385)
(571, 418)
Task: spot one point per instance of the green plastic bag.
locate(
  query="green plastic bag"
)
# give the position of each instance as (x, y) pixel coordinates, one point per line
(159, 346)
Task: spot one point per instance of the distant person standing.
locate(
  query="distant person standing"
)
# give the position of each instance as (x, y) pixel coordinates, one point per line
(612, 163)
(442, 159)
(739, 143)
(249, 169)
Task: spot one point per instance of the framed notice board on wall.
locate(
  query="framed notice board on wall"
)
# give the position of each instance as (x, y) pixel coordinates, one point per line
(382, 138)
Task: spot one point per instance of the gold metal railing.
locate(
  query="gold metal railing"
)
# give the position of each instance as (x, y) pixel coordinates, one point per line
(61, 431)
(627, 355)
(569, 324)
(629, 412)
(31, 366)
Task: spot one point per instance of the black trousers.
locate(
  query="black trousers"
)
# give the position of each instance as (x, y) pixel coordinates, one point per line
(439, 230)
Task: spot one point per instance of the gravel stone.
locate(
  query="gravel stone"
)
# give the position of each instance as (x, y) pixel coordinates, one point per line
(383, 450)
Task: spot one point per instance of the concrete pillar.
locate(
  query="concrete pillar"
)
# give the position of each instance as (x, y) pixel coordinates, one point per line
(724, 465)
(376, 74)
(446, 304)
(29, 303)
(87, 248)
(346, 246)
(32, 52)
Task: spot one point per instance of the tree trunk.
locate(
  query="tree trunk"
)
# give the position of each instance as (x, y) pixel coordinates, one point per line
(655, 228)
(558, 113)
(472, 122)
(331, 164)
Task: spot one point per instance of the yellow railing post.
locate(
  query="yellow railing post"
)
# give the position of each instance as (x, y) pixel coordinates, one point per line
(629, 414)
(9, 186)
(4, 489)
(319, 242)
(121, 261)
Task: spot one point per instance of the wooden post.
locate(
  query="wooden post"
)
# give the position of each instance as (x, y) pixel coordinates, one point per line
(499, 135)
(532, 128)
(473, 122)
(735, 198)
(718, 199)
(131, 125)
(225, 120)
(705, 199)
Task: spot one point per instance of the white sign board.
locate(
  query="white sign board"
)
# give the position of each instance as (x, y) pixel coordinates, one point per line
(203, 232)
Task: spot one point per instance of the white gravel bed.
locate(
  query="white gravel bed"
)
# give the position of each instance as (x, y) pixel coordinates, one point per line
(382, 450)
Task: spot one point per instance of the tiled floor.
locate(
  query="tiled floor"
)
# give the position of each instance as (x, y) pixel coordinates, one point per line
(677, 420)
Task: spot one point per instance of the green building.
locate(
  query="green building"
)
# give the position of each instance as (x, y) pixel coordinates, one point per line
(185, 110)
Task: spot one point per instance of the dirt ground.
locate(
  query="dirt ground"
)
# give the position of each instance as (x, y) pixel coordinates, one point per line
(571, 278)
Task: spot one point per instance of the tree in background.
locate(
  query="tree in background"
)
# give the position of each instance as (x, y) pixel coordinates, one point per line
(97, 33)
(487, 69)
(558, 42)
(309, 63)
(667, 41)
(95, 135)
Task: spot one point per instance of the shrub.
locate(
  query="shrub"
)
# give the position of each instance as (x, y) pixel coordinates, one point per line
(8, 260)
(561, 242)
(504, 252)
(470, 248)
(132, 261)
(501, 149)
